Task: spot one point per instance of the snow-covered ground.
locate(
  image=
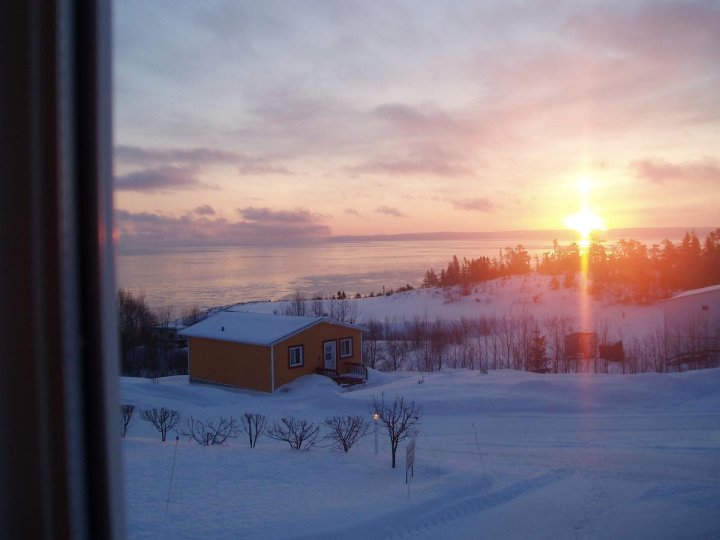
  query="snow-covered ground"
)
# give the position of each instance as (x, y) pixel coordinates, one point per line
(511, 297)
(556, 456)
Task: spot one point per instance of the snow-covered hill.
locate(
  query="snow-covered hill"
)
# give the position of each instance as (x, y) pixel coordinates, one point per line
(556, 456)
(512, 297)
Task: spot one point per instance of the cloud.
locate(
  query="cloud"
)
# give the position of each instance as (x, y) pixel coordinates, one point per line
(480, 204)
(205, 210)
(389, 211)
(660, 171)
(268, 215)
(160, 179)
(147, 229)
(195, 158)
(135, 155)
(255, 166)
(420, 162)
(413, 120)
(351, 212)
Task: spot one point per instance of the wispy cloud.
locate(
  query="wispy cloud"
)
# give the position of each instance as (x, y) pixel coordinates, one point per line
(204, 210)
(258, 166)
(660, 171)
(420, 162)
(480, 204)
(389, 211)
(161, 179)
(136, 155)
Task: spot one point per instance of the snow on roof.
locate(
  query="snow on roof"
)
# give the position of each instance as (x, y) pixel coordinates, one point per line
(711, 288)
(252, 328)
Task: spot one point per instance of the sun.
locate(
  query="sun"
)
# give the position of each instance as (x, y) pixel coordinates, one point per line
(585, 221)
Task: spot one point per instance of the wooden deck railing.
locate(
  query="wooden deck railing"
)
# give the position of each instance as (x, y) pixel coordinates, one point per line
(354, 368)
(354, 373)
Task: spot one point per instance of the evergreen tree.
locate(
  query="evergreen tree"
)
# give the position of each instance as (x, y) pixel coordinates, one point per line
(538, 360)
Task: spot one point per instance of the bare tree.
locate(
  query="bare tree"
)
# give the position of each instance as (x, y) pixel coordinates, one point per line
(296, 305)
(126, 415)
(345, 431)
(400, 419)
(343, 310)
(398, 350)
(163, 419)
(317, 306)
(299, 434)
(254, 425)
(192, 315)
(372, 351)
(211, 432)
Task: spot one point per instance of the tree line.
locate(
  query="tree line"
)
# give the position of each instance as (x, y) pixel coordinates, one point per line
(517, 341)
(140, 356)
(628, 271)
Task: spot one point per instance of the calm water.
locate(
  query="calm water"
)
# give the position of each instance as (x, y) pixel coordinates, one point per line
(207, 277)
(213, 276)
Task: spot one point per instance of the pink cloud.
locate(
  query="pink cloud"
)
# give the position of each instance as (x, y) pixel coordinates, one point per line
(660, 171)
(389, 211)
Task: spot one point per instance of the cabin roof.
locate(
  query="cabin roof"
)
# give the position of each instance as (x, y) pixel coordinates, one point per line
(684, 294)
(254, 328)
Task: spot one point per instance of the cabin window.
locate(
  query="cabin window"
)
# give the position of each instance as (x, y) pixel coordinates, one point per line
(346, 347)
(295, 355)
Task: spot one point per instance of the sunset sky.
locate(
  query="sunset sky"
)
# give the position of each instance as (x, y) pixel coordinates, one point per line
(252, 121)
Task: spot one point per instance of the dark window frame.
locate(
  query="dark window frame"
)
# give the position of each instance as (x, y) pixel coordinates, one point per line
(302, 356)
(346, 339)
(62, 479)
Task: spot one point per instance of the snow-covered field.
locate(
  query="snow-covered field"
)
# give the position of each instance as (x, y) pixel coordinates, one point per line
(556, 456)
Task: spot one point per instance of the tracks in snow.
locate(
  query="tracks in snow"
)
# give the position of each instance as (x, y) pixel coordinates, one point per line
(437, 513)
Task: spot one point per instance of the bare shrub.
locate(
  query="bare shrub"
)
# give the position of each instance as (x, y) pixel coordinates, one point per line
(211, 432)
(400, 419)
(126, 415)
(254, 425)
(162, 419)
(345, 431)
(299, 434)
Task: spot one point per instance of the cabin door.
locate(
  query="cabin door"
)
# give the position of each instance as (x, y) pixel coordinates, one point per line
(330, 355)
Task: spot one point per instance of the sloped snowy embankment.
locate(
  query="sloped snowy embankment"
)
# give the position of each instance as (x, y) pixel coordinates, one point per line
(559, 457)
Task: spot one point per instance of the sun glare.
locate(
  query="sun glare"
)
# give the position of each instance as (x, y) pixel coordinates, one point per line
(585, 221)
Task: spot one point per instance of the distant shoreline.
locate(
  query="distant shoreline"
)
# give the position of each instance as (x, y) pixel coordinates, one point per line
(541, 235)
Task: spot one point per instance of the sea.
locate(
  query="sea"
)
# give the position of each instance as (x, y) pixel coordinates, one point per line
(176, 278)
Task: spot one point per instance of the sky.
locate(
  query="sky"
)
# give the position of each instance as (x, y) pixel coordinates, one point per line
(246, 122)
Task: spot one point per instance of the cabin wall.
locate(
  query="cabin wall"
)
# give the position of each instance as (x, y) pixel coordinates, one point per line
(233, 364)
(312, 341)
